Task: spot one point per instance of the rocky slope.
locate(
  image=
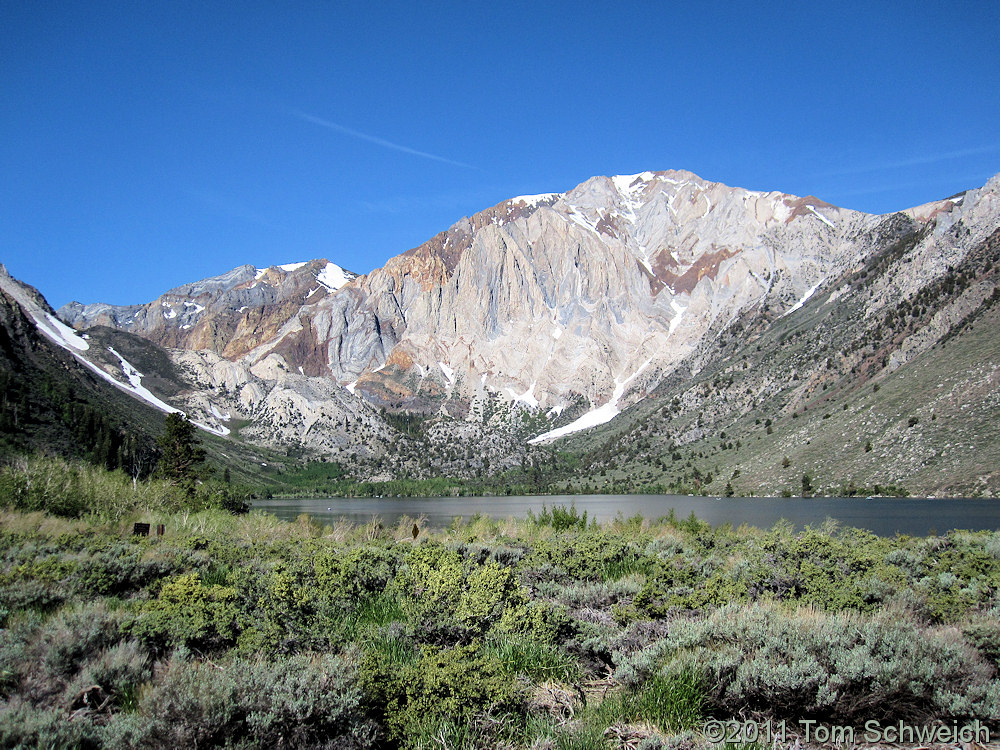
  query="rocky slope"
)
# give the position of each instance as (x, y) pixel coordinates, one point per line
(55, 401)
(886, 377)
(546, 314)
(540, 299)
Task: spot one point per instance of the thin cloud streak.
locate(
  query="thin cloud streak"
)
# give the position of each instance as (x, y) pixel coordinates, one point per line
(915, 161)
(373, 139)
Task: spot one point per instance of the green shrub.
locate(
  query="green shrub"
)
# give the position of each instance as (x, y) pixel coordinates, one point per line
(590, 556)
(14, 639)
(560, 518)
(357, 573)
(110, 679)
(984, 633)
(75, 489)
(594, 594)
(72, 636)
(281, 610)
(187, 612)
(448, 601)
(453, 686)
(118, 568)
(28, 594)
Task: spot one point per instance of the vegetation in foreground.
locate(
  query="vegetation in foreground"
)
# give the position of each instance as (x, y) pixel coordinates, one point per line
(244, 631)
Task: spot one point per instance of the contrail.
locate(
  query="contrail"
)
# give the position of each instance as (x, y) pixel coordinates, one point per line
(373, 139)
(916, 161)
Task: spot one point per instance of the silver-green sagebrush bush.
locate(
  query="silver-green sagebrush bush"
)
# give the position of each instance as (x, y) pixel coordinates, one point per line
(243, 631)
(306, 700)
(840, 667)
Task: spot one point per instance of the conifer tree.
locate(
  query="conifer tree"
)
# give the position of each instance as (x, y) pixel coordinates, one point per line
(182, 458)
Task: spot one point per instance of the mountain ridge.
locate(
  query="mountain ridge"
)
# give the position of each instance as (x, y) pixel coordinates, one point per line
(570, 307)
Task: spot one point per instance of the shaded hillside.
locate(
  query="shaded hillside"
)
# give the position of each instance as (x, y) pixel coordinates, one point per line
(54, 404)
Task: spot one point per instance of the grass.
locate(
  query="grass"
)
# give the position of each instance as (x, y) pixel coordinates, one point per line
(540, 662)
(670, 703)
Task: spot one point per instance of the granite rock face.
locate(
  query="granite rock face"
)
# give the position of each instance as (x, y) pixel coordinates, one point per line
(581, 300)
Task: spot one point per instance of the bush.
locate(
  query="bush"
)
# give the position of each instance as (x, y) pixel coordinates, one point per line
(445, 687)
(27, 727)
(110, 680)
(64, 643)
(448, 602)
(72, 490)
(590, 556)
(837, 667)
(299, 701)
(188, 613)
(984, 633)
(560, 518)
(359, 573)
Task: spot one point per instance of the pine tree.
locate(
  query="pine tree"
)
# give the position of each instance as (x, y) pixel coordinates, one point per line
(182, 456)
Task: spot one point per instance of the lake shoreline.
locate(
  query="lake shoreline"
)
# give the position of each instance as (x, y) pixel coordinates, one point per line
(885, 516)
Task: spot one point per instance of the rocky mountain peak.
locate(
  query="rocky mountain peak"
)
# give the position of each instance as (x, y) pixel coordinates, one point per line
(583, 300)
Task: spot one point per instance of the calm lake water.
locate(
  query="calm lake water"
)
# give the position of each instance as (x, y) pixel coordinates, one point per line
(884, 516)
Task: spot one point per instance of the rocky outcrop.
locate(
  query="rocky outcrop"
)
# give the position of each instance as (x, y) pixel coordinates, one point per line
(588, 297)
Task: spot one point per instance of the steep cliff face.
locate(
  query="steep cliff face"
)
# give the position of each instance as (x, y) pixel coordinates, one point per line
(542, 298)
(574, 304)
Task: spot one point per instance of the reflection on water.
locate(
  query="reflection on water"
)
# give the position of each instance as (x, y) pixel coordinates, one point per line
(884, 516)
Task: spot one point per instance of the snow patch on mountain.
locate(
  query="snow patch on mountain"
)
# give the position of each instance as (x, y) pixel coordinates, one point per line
(805, 297)
(218, 414)
(594, 417)
(136, 387)
(821, 217)
(527, 398)
(448, 372)
(577, 217)
(333, 276)
(676, 320)
(60, 333)
(534, 200)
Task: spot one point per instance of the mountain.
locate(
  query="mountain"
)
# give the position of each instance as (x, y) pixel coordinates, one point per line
(56, 401)
(549, 314)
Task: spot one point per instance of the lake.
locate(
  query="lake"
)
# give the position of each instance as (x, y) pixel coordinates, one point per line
(883, 516)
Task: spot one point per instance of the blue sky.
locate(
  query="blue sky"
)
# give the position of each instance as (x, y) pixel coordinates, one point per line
(143, 145)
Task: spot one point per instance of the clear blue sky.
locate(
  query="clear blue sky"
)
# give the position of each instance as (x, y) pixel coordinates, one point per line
(146, 144)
